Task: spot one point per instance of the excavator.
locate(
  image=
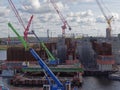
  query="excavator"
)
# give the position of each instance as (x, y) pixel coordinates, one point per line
(57, 84)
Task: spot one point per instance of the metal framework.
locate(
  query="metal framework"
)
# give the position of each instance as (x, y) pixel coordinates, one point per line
(109, 20)
(26, 29)
(65, 24)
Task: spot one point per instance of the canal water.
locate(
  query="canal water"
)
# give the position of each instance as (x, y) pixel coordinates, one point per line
(90, 83)
(100, 83)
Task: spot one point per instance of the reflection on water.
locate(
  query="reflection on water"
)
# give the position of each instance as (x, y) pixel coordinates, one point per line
(90, 83)
(94, 83)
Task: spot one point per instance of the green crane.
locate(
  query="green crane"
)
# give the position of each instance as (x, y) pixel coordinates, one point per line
(51, 58)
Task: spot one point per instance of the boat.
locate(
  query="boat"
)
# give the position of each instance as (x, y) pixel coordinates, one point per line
(115, 76)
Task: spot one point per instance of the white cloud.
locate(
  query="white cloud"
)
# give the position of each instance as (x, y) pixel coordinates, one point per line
(60, 5)
(79, 0)
(78, 13)
(85, 21)
(100, 19)
(38, 7)
(87, 13)
(35, 3)
(116, 16)
(87, 0)
(4, 11)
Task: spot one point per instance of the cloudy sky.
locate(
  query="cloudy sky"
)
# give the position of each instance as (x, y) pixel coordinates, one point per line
(84, 17)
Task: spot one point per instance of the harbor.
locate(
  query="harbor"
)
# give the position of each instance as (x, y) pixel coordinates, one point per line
(58, 45)
(97, 83)
(24, 73)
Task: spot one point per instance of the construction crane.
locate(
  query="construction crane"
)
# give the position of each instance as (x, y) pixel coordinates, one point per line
(26, 32)
(26, 29)
(57, 85)
(65, 24)
(109, 20)
(51, 58)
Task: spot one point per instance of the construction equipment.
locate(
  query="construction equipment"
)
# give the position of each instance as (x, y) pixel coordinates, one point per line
(65, 24)
(57, 84)
(26, 32)
(109, 20)
(26, 29)
(51, 58)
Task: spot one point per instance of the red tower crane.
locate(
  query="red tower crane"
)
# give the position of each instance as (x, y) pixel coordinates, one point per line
(65, 24)
(109, 20)
(26, 29)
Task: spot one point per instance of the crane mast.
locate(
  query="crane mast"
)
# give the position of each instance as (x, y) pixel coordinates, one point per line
(108, 20)
(65, 24)
(26, 32)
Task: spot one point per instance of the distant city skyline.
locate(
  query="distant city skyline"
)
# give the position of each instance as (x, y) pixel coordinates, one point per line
(84, 17)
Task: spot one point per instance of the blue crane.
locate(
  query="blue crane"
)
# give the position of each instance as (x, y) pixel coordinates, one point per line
(57, 83)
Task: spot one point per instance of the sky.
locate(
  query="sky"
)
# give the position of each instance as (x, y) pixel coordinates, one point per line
(83, 16)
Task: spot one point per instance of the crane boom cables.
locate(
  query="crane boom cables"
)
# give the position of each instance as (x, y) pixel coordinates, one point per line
(61, 17)
(26, 29)
(57, 10)
(101, 8)
(105, 6)
(16, 13)
(106, 17)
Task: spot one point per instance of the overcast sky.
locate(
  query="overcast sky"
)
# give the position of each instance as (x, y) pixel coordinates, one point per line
(84, 17)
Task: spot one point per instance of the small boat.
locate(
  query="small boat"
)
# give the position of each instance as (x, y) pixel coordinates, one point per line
(115, 76)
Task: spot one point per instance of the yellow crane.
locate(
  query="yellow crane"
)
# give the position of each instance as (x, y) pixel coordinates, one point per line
(108, 20)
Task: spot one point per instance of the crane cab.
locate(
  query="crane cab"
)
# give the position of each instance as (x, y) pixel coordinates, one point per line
(55, 87)
(46, 87)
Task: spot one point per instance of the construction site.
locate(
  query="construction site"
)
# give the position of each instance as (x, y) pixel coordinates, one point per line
(57, 63)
